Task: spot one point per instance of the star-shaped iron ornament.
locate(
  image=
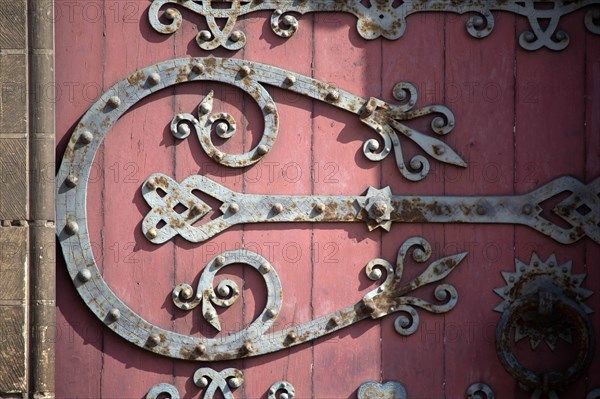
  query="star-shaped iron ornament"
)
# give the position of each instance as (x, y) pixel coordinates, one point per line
(547, 280)
(379, 208)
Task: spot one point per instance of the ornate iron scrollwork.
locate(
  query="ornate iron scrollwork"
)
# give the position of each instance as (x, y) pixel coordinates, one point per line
(544, 301)
(377, 18)
(378, 208)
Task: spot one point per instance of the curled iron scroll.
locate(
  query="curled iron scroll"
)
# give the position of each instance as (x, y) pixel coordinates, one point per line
(377, 18)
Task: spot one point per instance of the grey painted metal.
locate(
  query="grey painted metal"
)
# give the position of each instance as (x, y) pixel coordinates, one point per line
(544, 301)
(479, 390)
(384, 118)
(378, 208)
(375, 390)
(377, 18)
(593, 394)
(281, 390)
(159, 390)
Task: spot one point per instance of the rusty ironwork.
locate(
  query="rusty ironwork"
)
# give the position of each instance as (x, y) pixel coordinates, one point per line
(281, 390)
(210, 380)
(479, 390)
(378, 209)
(544, 301)
(387, 120)
(376, 18)
(389, 390)
(391, 296)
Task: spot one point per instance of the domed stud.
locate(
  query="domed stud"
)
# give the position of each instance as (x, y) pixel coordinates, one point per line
(289, 80)
(233, 208)
(222, 128)
(154, 79)
(265, 268)
(277, 209)
(171, 13)
(234, 383)
(320, 207)
(114, 102)
(72, 227)
(205, 35)
(332, 95)
(202, 382)
(262, 150)
(269, 109)
(219, 261)
(86, 137)
(152, 233)
(271, 312)
(236, 36)
(84, 275)
(198, 68)
(218, 156)
(153, 340)
(152, 184)
(245, 71)
(71, 181)
(114, 314)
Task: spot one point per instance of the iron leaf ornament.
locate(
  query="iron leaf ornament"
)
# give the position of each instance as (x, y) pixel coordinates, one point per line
(375, 18)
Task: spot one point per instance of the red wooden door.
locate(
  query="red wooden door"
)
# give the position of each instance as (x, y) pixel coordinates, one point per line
(522, 119)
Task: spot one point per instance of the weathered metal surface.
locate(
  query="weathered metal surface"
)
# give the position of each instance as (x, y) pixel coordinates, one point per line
(159, 390)
(378, 208)
(390, 297)
(211, 381)
(389, 390)
(543, 301)
(385, 119)
(376, 18)
(479, 390)
(281, 390)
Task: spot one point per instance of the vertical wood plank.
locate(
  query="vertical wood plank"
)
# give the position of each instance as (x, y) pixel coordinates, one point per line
(592, 172)
(286, 170)
(348, 358)
(79, 356)
(550, 142)
(408, 359)
(480, 91)
(140, 273)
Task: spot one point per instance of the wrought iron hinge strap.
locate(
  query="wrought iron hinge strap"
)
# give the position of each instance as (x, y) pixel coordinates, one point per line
(379, 208)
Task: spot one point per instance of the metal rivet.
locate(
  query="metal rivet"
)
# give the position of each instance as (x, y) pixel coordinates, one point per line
(289, 20)
(236, 36)
(292, 336)
(277, 208)
(86, 137)
(560, 36)
(84, 275)
(200, 349)
(245, 71)
(219, 261)
(289, 80)
(247, 347)
(202, 382)
(551, 264)
(265, 268)
(529, 36)
(234, 382)
(152, 184)
(114, 314)
(262, 149)
(376, 274)
(71, 181)
(210, 314)
(72, 227)
(222, 128)
(152, 233)
(284, 396)
(271, 312)
(154, 79)
(511, 279)
(205, 108)
(367, 110)
(522, 269)
(153, 339)
(481, 210)
(114, 102)
(320, 207)
(186, 293)
(234, 208)
(536, 263)
(332, 95)
(198, 68)
(335, 320)
(269, 109)
(370, 306)
(565, 269)
(527, 209)
(183, 130)
(379, 208)
(218, 156)
(205, 35)
(171, 13)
